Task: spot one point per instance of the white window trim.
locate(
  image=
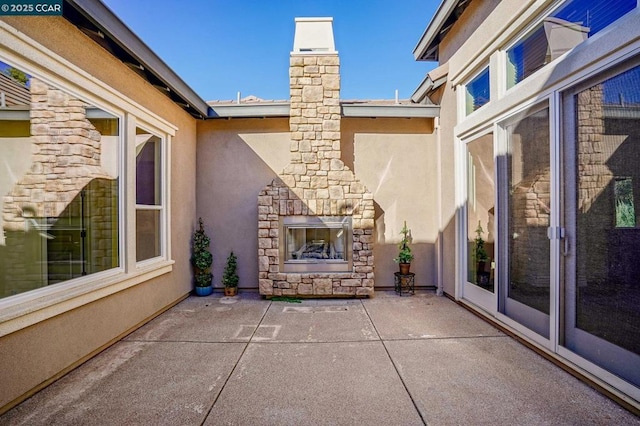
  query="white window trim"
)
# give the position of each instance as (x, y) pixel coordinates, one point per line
(25, 309)
(605, 49)
(528, 30)
(165, 198)
(463, 93)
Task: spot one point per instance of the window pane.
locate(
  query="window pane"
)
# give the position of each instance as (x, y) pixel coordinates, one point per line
(529, 174)
(608, 239)
(148, 193)
(573, 23)
(147, 234)
(477, 91)
(59, 185)
(147, 169)
(481, 212)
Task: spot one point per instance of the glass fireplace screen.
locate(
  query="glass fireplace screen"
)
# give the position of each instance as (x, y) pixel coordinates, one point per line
(316, 243)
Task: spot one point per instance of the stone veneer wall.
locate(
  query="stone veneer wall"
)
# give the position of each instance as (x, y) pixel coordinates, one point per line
(315, 183)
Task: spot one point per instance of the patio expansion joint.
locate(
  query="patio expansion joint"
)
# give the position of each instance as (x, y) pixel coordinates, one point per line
(226, 380)
(395, 367)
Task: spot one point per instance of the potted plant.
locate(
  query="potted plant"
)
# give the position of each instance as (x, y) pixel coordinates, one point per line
(230, 276)
(404, 256)
(201, 259)
(481, 257)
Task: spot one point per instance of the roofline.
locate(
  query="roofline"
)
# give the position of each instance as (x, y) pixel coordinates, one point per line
(390, 111)
(434, 79)
(103, 18)
(256, 110)
(427, 47)
(281, 109)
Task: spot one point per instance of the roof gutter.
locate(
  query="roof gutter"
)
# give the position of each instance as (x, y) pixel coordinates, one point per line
(113, 28)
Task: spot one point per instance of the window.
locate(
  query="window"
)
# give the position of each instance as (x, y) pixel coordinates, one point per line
(59, 183)
(565, 28)
(480, 212)
(149, 200)
(477, 91)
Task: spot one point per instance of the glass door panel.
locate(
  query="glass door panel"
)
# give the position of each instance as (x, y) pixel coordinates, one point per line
(481, 212)
(526, 172)
(602, 291)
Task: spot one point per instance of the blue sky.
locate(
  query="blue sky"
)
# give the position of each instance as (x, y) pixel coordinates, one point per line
(220, 47)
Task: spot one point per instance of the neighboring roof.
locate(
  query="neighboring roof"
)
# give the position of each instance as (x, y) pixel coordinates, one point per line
(253, 107)
(98, 22)
(447, 14)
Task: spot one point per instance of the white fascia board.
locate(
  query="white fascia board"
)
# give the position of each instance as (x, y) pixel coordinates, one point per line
(423, 88)
(445, 9)
(390, 111)
(249, 110)
(348, 110)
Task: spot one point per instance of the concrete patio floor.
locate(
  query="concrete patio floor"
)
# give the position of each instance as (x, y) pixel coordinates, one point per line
(387, 360)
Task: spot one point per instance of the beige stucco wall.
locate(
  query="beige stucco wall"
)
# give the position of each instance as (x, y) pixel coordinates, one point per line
(396, 161)
(33, 355)
(235, 160)
(394, 158)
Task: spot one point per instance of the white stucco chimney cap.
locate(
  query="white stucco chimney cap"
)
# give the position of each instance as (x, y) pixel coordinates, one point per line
(313, 36)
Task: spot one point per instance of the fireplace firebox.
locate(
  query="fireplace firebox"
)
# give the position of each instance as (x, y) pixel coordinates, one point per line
(316, 244)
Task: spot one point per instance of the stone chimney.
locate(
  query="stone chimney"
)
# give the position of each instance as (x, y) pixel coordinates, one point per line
(316, 183)
(314, 81)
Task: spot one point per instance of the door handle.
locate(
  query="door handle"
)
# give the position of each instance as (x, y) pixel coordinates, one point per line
(566, 246)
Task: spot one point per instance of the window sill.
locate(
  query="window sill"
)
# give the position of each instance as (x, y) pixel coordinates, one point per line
(23, 310)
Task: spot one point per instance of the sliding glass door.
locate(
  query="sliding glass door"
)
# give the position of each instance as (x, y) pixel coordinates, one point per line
(525, 198)
(601, 317)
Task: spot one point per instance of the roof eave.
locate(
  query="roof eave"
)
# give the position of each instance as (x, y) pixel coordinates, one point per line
(390, 111)
(249, 111)
(356, 110)
(104, 19)
(427, 47)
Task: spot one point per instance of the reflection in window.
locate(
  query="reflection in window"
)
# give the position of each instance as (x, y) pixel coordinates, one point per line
(529, 209)
(59, 185)
(607, 126)
(481, 212)
(625, 211)
(477, 91)
(567, 27)
(148, 195)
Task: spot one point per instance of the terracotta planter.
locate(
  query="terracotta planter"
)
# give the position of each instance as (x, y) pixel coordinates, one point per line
(230, 291)
(404, 268)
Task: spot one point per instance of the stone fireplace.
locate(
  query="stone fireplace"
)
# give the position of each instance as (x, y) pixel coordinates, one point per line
(315, 220)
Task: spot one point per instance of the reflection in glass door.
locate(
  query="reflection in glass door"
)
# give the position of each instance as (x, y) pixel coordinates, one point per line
(478, 226)
(480, 212)
(602, 186)
(526, 198)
